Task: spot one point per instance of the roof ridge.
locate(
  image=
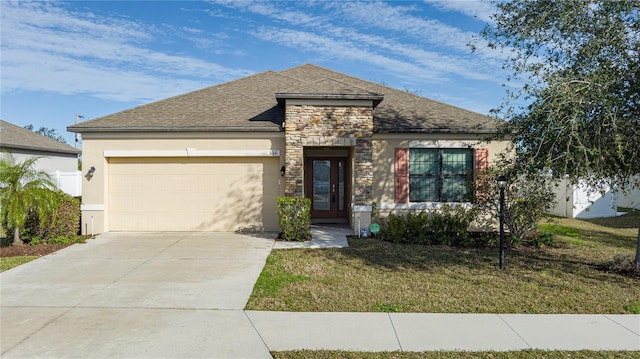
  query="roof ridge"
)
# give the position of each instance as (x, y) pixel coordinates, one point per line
(311, 83)
(393, 89)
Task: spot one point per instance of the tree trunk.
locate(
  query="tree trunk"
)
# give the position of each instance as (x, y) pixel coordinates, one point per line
(16, 238)
(637, 260)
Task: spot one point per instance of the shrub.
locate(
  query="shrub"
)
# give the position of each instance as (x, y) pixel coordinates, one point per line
(528, 197)
(540, 238)
(393, 229)
(61, 223)
(294, 218)
(623, 264)
(448, 226)
(417, 228)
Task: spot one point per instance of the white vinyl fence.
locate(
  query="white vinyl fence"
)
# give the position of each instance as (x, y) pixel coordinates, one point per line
(68, 182)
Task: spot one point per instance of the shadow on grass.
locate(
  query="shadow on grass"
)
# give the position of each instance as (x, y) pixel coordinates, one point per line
(629, 220)
(520, 261)
(607, 239)
(399, 257)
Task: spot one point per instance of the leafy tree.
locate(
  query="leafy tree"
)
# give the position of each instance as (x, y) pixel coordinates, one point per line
(19, 193)
(47, 132)
(528, 197)
(575, 68)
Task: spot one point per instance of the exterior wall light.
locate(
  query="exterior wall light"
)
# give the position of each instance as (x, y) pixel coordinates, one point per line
(282, 170)
(502, 184)
(90, 173)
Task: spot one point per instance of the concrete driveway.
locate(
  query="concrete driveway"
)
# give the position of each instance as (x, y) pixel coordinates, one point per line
(136, 295)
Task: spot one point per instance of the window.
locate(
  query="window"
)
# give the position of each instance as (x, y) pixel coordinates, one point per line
(440, 175)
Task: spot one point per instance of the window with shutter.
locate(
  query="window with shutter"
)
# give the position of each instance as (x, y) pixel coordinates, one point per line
(437, 174)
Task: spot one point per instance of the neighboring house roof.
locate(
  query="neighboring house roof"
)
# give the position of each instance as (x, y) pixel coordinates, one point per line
(250, 104)
(16, 137)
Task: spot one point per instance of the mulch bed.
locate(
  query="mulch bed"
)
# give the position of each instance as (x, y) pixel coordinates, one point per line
(27, 250)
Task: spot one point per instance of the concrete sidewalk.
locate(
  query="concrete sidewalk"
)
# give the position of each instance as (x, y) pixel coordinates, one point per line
(375, 332)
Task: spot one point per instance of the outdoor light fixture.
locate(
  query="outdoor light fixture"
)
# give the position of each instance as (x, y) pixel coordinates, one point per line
(282, 171)
(502, 184)
(91, 170)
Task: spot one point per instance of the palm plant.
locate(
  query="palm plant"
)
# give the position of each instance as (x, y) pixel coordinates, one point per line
(20, 192)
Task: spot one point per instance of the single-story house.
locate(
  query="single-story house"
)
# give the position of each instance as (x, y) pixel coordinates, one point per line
(216, 159)
(58, 159)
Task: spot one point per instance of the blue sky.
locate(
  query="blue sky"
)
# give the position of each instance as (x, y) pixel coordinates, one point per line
(95, 58)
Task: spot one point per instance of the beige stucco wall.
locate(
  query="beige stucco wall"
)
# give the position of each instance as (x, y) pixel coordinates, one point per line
(384, 146)
(97, 147)
(95, 199)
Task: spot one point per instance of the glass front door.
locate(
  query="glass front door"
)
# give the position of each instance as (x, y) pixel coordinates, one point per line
(327, 187)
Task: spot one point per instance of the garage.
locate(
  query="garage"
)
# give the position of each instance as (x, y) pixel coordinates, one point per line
(192, 193)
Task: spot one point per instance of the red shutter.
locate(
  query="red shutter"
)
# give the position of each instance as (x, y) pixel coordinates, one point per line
(481, 166)
(482, 159)
(402, 175)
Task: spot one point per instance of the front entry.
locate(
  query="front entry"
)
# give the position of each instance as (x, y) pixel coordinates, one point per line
(326, 185)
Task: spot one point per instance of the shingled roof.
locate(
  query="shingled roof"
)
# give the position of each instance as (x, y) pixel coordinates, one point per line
(16, 137)
(250, 104)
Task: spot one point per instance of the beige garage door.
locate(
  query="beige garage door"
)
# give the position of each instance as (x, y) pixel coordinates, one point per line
(193, 194)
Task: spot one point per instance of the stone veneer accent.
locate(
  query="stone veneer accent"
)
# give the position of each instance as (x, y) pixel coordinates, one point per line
(329, 125)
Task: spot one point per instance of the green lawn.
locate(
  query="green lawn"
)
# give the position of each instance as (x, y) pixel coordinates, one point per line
(525, 354)
(376, 276)
(7, 263)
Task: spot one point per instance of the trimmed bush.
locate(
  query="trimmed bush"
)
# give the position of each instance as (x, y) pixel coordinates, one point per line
(294, 218)
(393, 229)
(62, 222)
(447, 226)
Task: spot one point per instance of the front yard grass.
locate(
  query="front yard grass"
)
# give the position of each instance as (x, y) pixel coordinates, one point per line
(524, 354)
(377, 276)
(7, 263)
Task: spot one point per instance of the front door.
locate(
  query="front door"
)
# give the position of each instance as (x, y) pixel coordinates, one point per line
(327, 187)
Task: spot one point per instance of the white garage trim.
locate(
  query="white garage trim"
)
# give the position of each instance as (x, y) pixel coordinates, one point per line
(192, 152)
(92, 207)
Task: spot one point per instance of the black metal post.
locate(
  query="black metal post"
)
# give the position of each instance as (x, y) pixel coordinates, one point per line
(501, 228)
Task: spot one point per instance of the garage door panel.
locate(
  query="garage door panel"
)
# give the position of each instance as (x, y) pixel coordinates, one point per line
(199, 194)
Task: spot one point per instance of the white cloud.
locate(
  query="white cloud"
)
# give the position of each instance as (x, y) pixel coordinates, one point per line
(480, 9)
(398, 19)
(48, 48)
(436, 62)
(269, 9)
(340, 49)
(414, 58)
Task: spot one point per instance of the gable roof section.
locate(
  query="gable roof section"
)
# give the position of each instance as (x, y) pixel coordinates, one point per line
(327, 88)
(16, 137)
(246, 104)
(251, 104)
(401, 111)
